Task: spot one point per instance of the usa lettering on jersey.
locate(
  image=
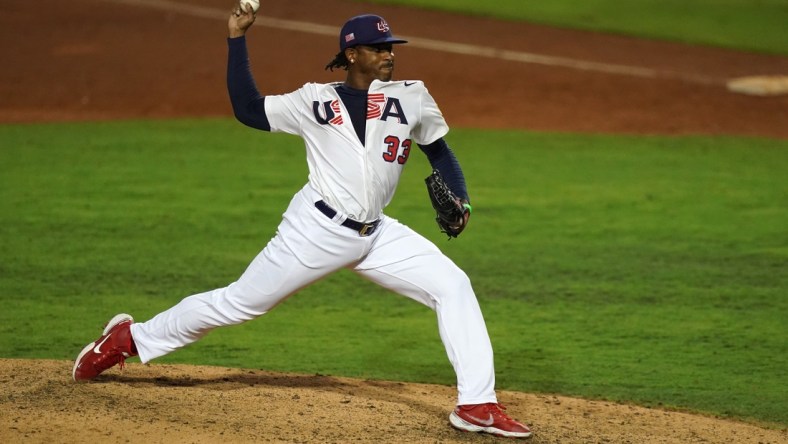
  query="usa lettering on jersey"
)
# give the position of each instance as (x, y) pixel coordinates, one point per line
(330, 112)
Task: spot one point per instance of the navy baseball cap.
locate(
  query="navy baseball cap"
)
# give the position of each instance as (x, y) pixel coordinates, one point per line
(367, 29)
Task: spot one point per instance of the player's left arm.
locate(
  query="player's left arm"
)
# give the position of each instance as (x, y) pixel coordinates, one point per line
(428, 134)
(442, 158)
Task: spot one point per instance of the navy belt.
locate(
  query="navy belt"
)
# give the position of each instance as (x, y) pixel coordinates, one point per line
(362, 228)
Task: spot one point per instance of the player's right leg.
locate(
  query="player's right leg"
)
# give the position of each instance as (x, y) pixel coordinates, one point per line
(304, 249)
(273, 275)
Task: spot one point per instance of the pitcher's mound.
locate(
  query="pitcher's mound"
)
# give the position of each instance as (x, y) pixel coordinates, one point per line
(197, 404)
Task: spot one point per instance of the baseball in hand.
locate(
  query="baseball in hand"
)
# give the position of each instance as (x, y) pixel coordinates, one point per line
(255, 4)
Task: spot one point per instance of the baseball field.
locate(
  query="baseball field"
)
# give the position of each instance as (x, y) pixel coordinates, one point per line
(628, 244)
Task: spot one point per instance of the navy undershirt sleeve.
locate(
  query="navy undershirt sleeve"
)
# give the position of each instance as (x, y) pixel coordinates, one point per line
(248, 104)
(442, 158)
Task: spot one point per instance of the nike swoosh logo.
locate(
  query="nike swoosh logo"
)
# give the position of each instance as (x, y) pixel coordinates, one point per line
(97, 348)
(488, 422)
(411, 83)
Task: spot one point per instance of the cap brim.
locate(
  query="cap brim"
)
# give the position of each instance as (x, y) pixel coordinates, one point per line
(391, 40)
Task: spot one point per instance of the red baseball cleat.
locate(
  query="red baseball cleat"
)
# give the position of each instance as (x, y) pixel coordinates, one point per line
(113, 347)
(487, 418)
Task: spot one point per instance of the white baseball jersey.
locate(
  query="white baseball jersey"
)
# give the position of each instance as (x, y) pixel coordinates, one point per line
(358, 180)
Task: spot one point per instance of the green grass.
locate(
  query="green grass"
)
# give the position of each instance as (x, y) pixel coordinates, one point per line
(751, 25)
(639, 269)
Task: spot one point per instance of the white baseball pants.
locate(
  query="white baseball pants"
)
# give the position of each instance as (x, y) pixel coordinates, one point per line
(308, 246)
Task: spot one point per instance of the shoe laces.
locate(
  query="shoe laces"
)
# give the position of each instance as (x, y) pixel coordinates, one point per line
(107, 359)
(112, 353)
(122, 362)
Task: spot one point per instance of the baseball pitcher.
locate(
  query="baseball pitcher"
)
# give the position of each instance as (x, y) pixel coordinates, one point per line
(358, 136)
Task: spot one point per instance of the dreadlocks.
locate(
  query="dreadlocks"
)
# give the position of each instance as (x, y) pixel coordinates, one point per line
(340, 61)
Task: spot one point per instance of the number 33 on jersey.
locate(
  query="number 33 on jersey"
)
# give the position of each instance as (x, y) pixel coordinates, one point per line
(358, 179)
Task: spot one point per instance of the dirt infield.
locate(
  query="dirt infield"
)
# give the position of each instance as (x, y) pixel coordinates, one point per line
(110, 59)
(197, 404)
(103, 59)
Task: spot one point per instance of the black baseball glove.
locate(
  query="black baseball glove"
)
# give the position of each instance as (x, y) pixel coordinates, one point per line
(452, 214)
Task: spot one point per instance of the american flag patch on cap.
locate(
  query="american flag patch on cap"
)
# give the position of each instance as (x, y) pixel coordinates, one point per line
(349, 37)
